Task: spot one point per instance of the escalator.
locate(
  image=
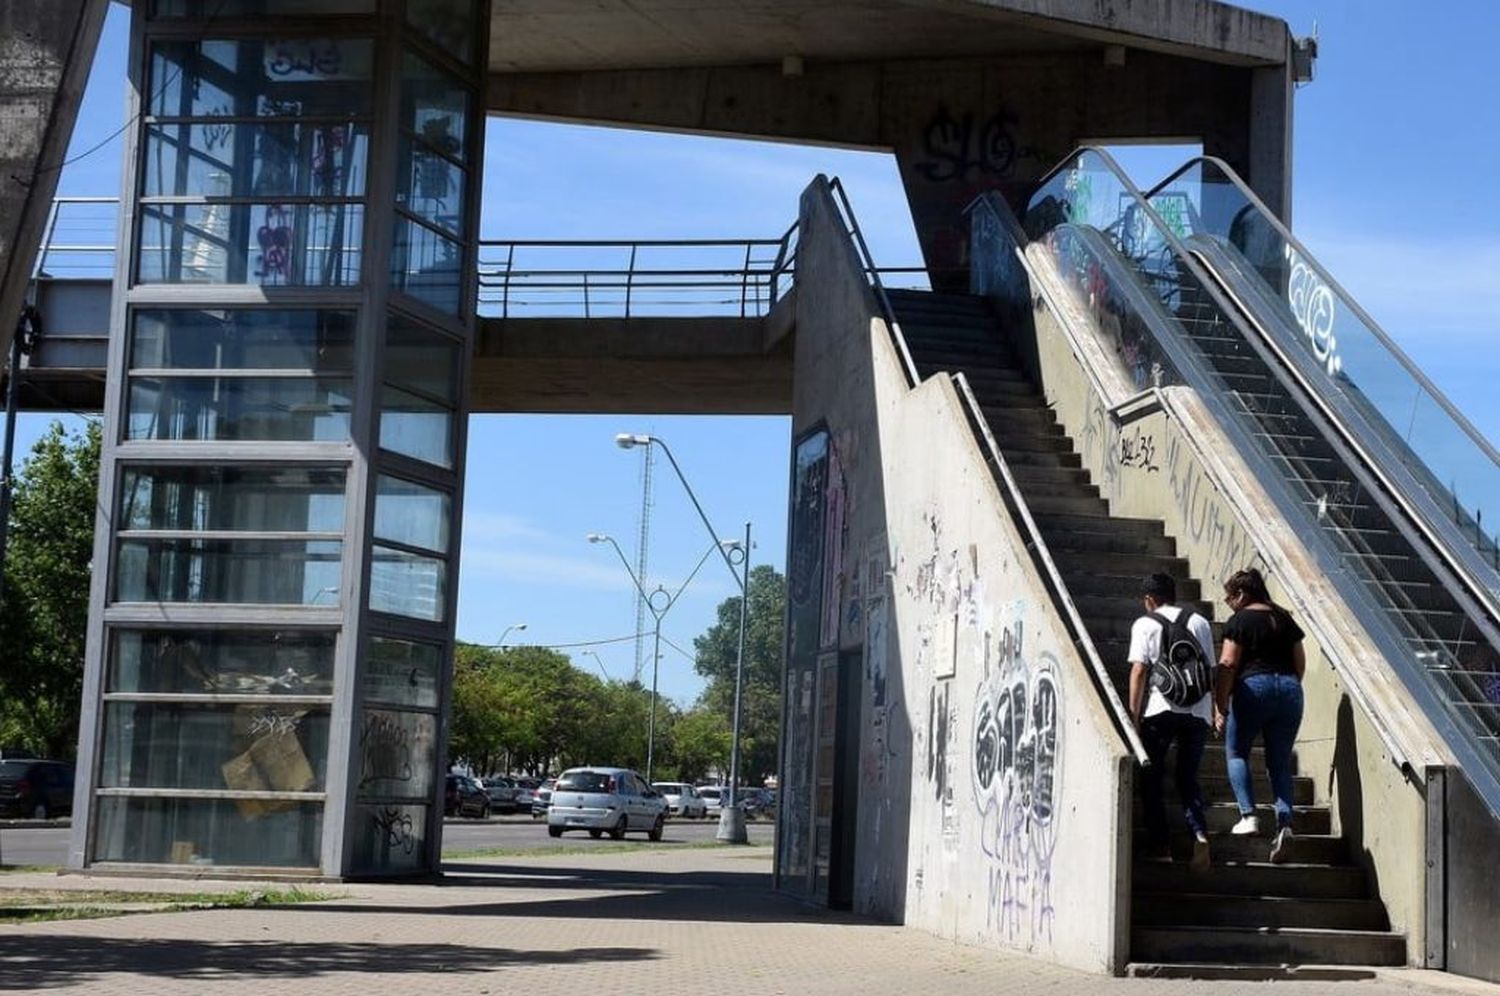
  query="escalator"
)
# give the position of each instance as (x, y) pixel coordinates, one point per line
(1372, 466)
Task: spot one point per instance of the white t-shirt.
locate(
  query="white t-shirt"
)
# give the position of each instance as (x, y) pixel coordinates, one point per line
(1145, 645)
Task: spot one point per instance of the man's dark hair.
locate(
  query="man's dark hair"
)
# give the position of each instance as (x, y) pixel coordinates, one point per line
(1162, 587)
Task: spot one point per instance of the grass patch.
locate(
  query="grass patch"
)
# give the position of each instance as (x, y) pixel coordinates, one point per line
(28, 869)
(595, 847)
(48, 905)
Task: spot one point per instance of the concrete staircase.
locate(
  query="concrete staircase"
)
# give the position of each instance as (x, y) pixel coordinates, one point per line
(1316, 909)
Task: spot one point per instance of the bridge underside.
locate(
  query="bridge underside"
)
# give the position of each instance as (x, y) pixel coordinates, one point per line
(669, 366)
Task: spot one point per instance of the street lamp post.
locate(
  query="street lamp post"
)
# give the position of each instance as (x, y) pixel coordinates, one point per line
(731, 817)
(598, 661)
(660, 602)
(517, 627)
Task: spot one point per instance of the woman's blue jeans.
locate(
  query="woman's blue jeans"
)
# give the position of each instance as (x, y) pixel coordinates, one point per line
(1268, 705)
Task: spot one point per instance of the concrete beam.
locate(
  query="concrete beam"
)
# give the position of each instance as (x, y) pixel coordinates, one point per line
(46, 48)
(594, 35)
(700, 366)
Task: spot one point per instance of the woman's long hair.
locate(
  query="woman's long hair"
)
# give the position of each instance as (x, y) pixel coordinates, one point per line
(1251, 584)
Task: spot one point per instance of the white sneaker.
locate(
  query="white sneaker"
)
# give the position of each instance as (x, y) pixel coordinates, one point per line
(1202, 859)
(1279, 849)
(1248, 826)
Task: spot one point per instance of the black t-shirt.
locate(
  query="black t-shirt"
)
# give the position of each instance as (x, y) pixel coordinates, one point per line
(1265, 639)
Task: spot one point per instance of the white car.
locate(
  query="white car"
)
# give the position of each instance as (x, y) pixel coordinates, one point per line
(713, 797)
(682, 800)
(605, 800)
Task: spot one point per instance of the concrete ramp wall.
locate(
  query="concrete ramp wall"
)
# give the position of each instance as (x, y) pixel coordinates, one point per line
(990, 795)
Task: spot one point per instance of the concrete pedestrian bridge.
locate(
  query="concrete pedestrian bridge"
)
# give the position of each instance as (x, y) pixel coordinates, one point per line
(1088, 377)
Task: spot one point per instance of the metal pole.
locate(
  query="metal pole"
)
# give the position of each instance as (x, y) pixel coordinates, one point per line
(651, 723)
(12, 393)
(731, 817)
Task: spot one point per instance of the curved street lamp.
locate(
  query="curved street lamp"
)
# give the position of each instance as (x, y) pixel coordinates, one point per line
(517, 627)
(660, 601)
(731, 817)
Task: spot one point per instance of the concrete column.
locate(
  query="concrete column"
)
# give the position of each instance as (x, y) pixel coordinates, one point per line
(46, 47)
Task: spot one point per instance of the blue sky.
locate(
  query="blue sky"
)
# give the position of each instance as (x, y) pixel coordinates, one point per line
(1397, 144)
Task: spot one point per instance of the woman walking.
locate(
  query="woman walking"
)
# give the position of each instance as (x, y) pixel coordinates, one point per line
(1258, 691)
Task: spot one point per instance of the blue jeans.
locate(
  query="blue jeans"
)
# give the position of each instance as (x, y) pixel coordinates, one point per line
(1268, 705)
(1157, 734)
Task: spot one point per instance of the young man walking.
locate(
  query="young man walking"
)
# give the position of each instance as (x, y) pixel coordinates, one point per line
(1169, 702)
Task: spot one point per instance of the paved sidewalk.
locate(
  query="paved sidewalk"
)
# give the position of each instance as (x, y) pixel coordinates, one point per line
(688, 921)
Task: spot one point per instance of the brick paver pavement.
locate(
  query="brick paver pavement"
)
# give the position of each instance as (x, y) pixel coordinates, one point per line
(691, 921)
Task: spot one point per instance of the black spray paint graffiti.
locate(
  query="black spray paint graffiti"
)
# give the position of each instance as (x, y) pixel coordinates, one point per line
(938, 731)
(957, 148)
(1017, 727)
(395, 827)
(1210, 526)
(1138, 449)
(386, 748)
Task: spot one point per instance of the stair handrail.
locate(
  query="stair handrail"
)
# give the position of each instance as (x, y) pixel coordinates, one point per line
(1042, 557)
(851, 224)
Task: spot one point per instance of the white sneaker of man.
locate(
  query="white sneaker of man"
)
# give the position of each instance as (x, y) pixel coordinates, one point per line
(1202, 859)
(1280, 852)
(1248, 826)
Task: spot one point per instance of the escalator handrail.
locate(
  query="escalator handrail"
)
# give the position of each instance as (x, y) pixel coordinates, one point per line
(1189, 370)
(1443, 553)
(1344, 296)
(1042, 557)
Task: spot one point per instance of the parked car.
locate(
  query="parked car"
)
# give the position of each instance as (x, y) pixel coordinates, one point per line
(682, 800)
(713, 798)
(502, 793)
(36, 789)
(605, 800)
(462, 796)
(759, 804)
(541, 799)
(525, 793)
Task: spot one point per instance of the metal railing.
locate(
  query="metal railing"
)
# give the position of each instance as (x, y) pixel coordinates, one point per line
(78, 241)
(631, 278)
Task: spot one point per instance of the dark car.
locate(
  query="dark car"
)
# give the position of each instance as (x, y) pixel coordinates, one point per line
(36, 789)
(463, 797)
(502, 793)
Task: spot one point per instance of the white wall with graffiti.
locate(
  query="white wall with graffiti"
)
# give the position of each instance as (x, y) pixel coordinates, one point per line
(989, 776)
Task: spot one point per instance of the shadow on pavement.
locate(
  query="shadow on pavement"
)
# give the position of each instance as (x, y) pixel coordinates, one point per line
(714, 896)
(36, 961)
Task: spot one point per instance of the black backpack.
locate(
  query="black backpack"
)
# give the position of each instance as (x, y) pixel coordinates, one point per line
(1180, 672)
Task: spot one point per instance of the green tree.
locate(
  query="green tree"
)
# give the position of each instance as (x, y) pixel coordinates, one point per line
(701, 741)
(716, 656)
(45, 613)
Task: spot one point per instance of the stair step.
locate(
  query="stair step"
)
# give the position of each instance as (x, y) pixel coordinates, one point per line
(1207, 909)
(1308, 849)
(1073, 522)
(1020, 418)
(1035, 442)
(1121, 585)
(1006, 400)
(1251, 878)
(1033, 490)
(1129, 606)
(1202, 972)
(1052, 458)
(954, 359)
(1074, 562)
(1070, 505)
(1267, 945)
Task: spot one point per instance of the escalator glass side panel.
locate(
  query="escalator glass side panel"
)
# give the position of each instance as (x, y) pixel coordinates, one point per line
(1457, 467)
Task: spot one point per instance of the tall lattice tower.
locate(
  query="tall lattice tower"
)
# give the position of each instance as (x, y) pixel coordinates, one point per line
(643, 543)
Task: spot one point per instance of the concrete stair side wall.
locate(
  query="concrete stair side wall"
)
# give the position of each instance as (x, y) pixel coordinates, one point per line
(1163, 455)
(993, 789)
